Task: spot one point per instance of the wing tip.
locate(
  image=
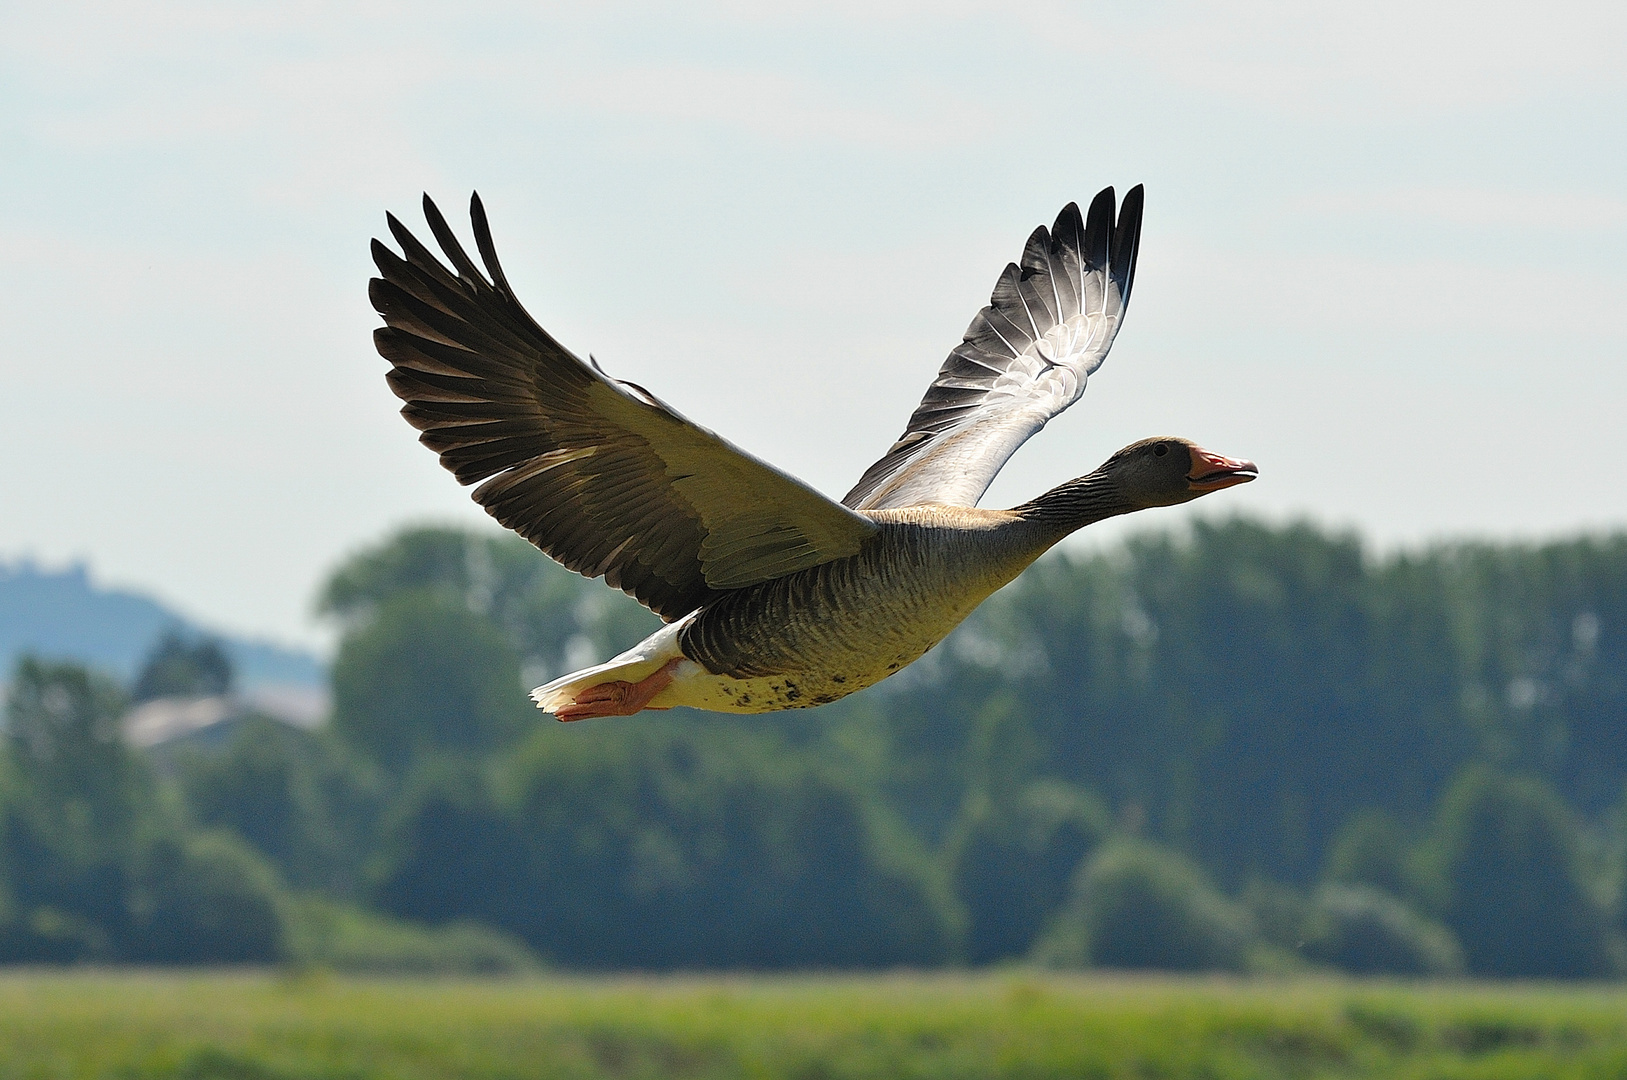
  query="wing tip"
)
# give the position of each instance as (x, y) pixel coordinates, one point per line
(1069, 223)
(486, 246)
(1127, 242)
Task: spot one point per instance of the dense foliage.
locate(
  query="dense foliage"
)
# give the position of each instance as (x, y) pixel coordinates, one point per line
(1244, 747)
(1138, 906)
(181, 668)
(92, 868)
(650, 847)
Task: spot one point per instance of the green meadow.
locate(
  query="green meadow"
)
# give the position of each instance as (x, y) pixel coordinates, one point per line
(138, 1025)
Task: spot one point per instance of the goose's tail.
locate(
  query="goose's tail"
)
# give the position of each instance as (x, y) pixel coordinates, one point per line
(562, 696)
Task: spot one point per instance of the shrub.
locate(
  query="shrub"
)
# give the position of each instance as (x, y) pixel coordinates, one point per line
(342, 938)
(1365, 931)
(204, 899)
(1135, 905)
(1506, 861)
(1370, 848)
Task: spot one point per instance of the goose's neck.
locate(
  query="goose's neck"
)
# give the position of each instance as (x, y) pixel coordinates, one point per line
(1069, 507)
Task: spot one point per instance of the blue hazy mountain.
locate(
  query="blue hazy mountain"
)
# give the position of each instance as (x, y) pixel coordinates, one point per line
(62, 614)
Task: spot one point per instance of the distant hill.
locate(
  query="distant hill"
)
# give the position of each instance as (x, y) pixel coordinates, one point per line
(63, 614)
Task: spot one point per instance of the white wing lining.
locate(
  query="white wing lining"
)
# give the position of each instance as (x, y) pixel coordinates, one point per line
(996, 390)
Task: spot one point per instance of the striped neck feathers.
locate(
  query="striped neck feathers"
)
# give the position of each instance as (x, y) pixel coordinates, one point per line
(1069, 507)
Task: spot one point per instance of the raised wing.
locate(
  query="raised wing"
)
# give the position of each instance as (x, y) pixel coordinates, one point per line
(1025, 358)
(597, 473)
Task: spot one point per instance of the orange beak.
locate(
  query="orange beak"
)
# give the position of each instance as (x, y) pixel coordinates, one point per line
(1211, 472)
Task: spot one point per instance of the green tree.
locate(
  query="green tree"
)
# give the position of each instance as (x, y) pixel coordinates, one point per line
(1229, 687)
(1509, 879)
(1135, 905)
(78, 784)
(99, 867)
(1014, 861)
(652, 846)
(203, 899)
(74, 804)
(299, 798)
(553, 619)
(425, 676)
(413, 560)
(1274, 701)
(1542, 637)
(180, 668)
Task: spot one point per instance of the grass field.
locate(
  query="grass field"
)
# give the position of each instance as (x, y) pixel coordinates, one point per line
(136, 1026)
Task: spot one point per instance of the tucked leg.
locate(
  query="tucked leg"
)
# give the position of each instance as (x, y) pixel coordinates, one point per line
(618, 698)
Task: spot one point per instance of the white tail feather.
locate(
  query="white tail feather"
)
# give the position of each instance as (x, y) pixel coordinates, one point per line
(634, 665)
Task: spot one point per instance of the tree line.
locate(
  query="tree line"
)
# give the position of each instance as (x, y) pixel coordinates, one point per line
(1243, 747)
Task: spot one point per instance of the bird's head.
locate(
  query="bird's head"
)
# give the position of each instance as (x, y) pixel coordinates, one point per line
(1167, 471)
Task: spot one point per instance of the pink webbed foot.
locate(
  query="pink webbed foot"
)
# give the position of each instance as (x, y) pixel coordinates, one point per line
(618, 698)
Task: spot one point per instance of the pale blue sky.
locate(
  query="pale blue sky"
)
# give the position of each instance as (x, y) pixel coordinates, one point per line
(1385, 251)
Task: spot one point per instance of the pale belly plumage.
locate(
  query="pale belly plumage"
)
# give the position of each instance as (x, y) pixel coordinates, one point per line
(862, 656)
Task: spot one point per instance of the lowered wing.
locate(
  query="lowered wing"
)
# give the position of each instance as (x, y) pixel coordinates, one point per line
(1025, 358)
(597, 473)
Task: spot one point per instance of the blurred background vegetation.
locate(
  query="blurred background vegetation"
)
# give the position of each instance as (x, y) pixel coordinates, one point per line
(1247, 748)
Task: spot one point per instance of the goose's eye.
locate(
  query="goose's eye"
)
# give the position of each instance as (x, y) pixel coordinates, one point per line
(1160, 450)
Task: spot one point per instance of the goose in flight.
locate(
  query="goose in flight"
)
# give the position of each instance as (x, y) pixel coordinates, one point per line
(774, 596)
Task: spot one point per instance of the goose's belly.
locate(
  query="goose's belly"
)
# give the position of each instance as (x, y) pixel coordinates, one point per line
(698, 688)
(814, 638)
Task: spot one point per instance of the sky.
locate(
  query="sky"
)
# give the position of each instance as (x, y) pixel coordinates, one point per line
(1382, 253)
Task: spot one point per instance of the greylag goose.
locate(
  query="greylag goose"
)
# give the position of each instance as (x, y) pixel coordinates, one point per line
(774, 596)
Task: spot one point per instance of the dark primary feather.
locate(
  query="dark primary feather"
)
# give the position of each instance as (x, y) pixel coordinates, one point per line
(599, 474)
(1007, 377)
